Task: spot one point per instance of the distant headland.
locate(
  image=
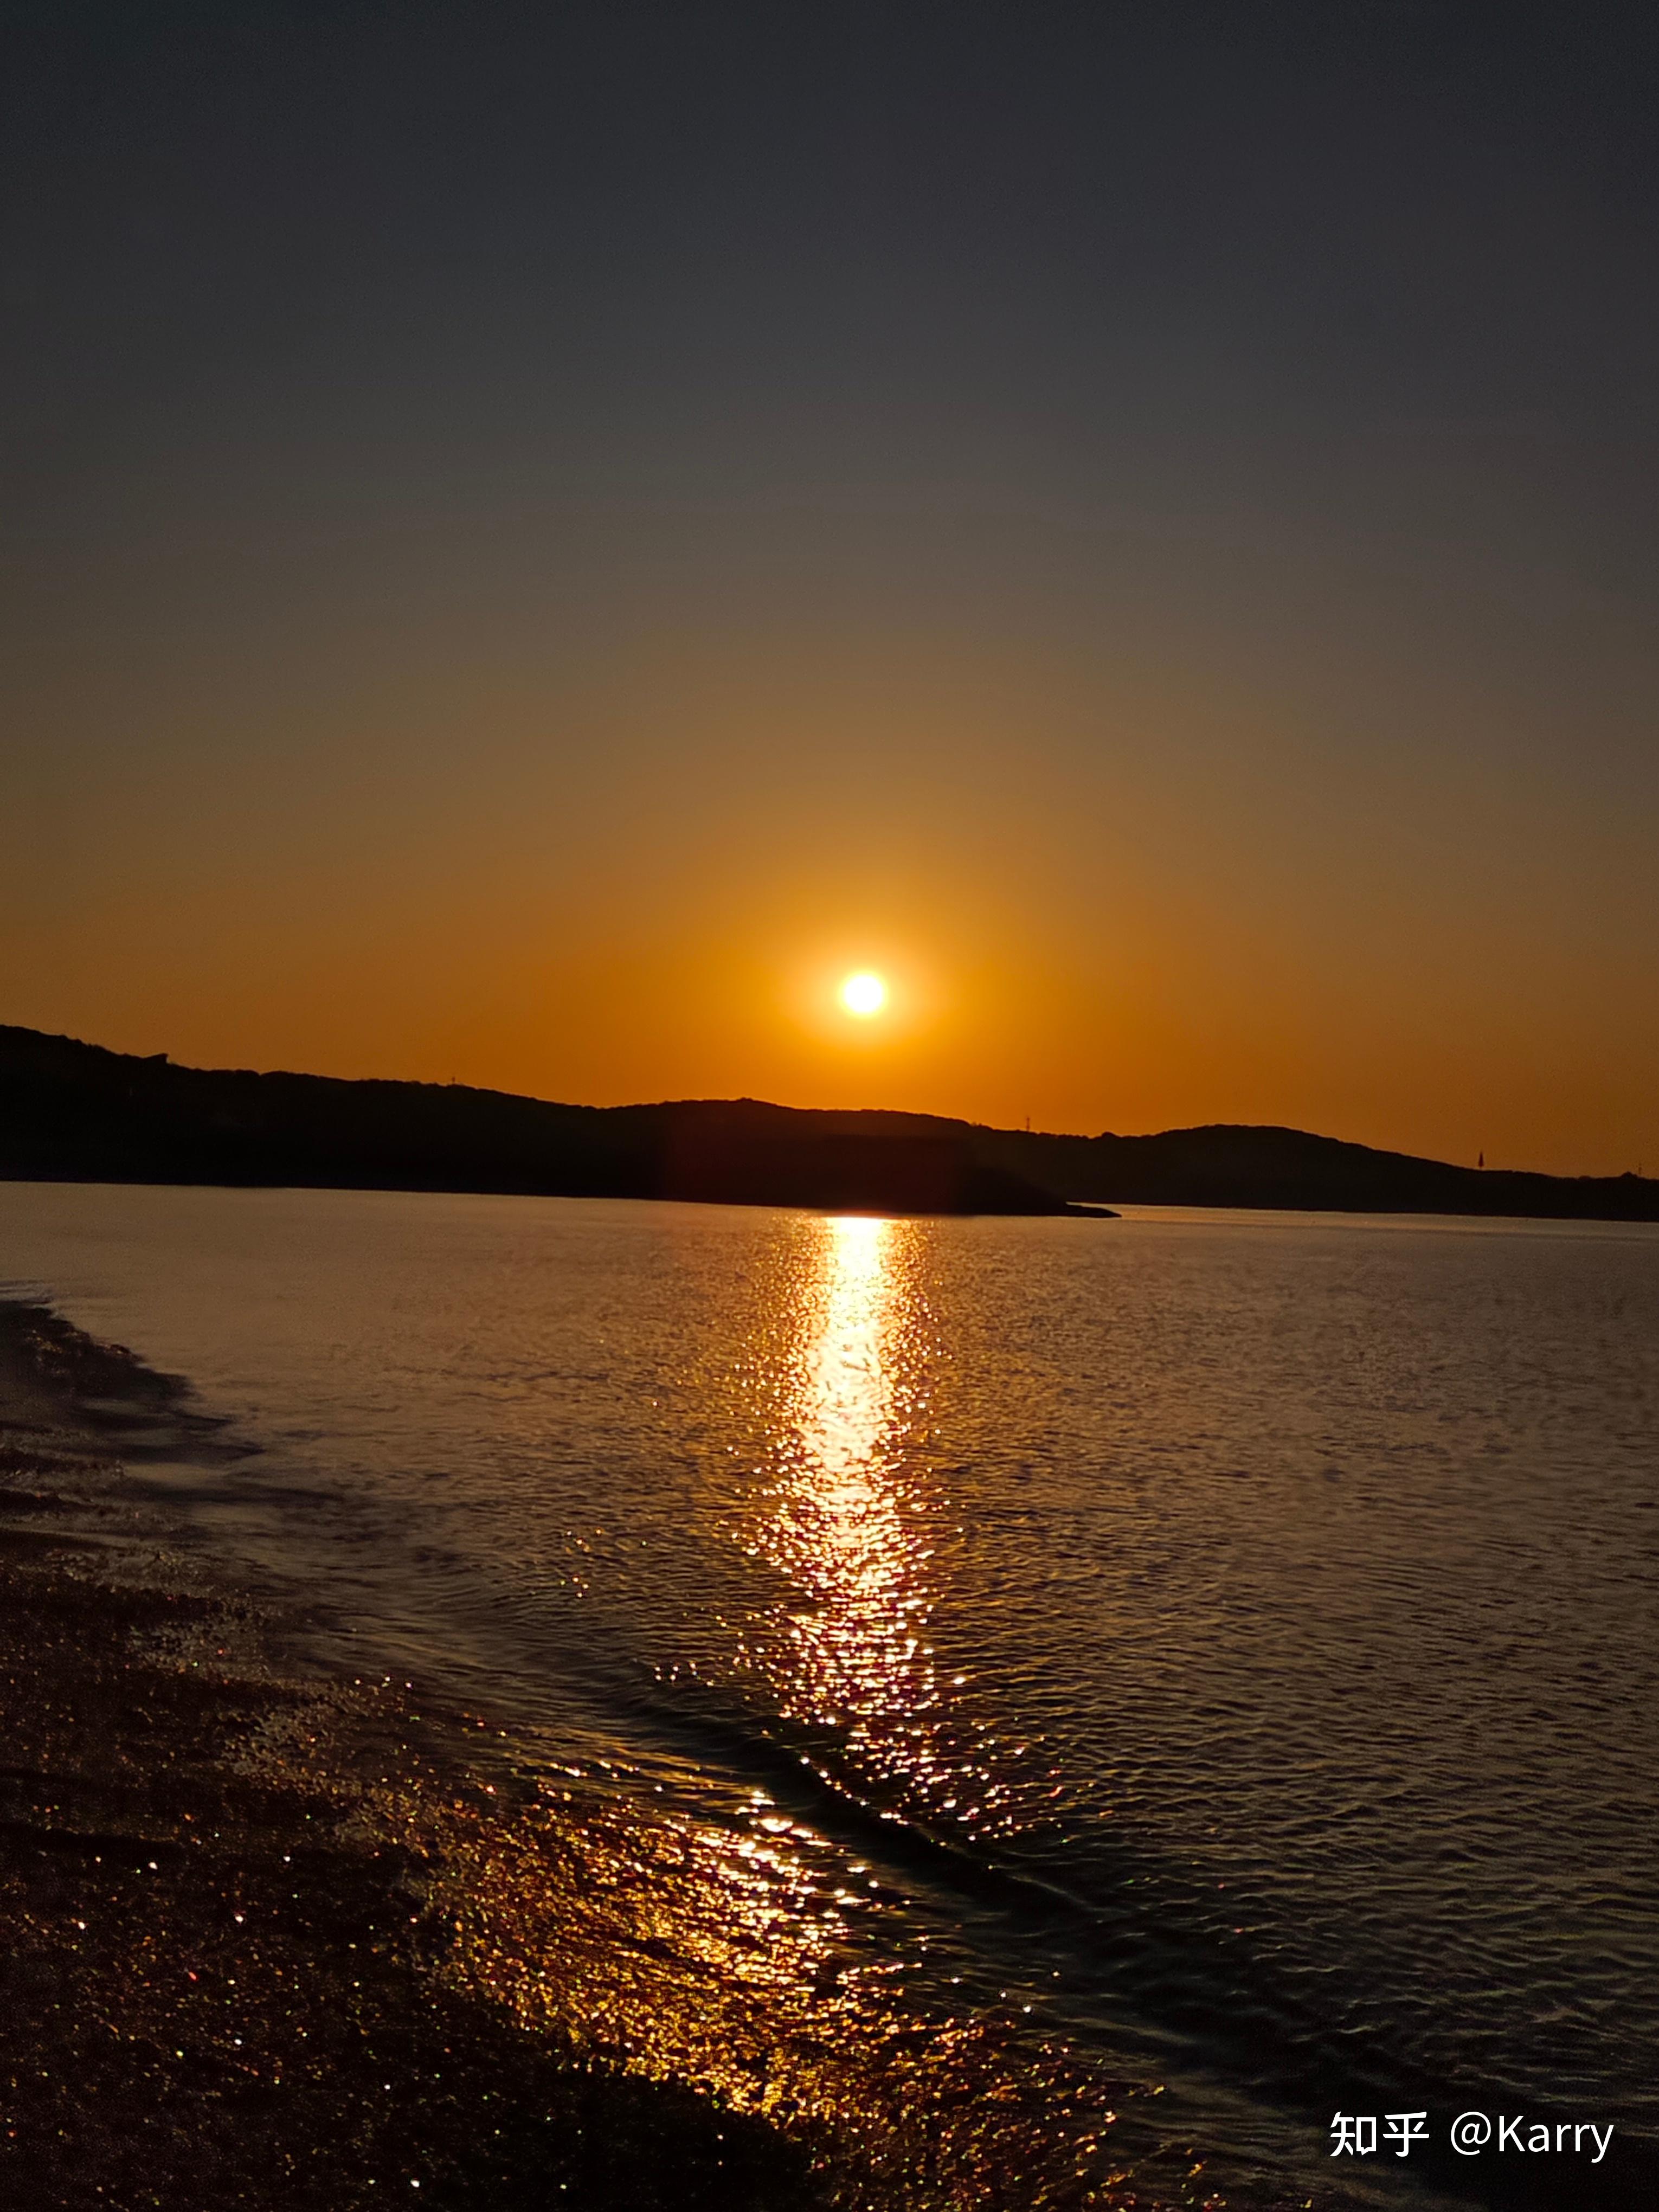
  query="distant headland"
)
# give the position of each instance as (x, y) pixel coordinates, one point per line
(75, 1112)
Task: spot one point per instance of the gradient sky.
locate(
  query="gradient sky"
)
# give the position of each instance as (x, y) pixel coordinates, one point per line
(535, 538)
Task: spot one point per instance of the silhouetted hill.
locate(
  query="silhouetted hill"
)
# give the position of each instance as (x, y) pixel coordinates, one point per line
(76, 1112)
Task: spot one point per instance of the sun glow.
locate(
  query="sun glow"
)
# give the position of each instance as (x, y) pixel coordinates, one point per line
(863, 994)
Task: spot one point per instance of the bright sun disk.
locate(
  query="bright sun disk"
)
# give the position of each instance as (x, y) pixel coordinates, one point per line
(863, 994)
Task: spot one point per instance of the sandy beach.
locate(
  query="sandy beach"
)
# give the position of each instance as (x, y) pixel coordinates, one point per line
(220, 1986)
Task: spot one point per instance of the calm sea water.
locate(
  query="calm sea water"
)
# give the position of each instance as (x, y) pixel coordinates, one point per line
(1231, 1636)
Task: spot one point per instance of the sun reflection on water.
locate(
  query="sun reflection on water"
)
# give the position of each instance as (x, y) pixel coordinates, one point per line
(842, 1524)
(752, 1957)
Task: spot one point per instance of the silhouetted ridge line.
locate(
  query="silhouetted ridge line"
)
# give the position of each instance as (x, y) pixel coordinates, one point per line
(76, 1112)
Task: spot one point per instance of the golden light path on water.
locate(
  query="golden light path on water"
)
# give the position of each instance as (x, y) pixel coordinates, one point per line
(856, 1521)
(836, 1526)
(742, 1962)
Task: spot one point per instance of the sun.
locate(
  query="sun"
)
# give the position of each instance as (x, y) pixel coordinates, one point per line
(864, 994)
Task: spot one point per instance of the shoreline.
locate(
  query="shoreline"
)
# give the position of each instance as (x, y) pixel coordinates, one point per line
(276, 1943)
(222, 1987)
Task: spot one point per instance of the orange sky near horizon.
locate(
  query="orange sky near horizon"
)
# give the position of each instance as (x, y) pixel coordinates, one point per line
(1130, 927)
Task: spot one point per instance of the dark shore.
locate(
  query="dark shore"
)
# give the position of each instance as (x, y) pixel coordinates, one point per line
(219, 1986)
(272, 1944)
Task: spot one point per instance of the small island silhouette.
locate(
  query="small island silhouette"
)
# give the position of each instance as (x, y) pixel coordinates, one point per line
(75, 1112)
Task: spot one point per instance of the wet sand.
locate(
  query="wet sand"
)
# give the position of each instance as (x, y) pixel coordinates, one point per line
(220, 1986)
(273, 1945)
